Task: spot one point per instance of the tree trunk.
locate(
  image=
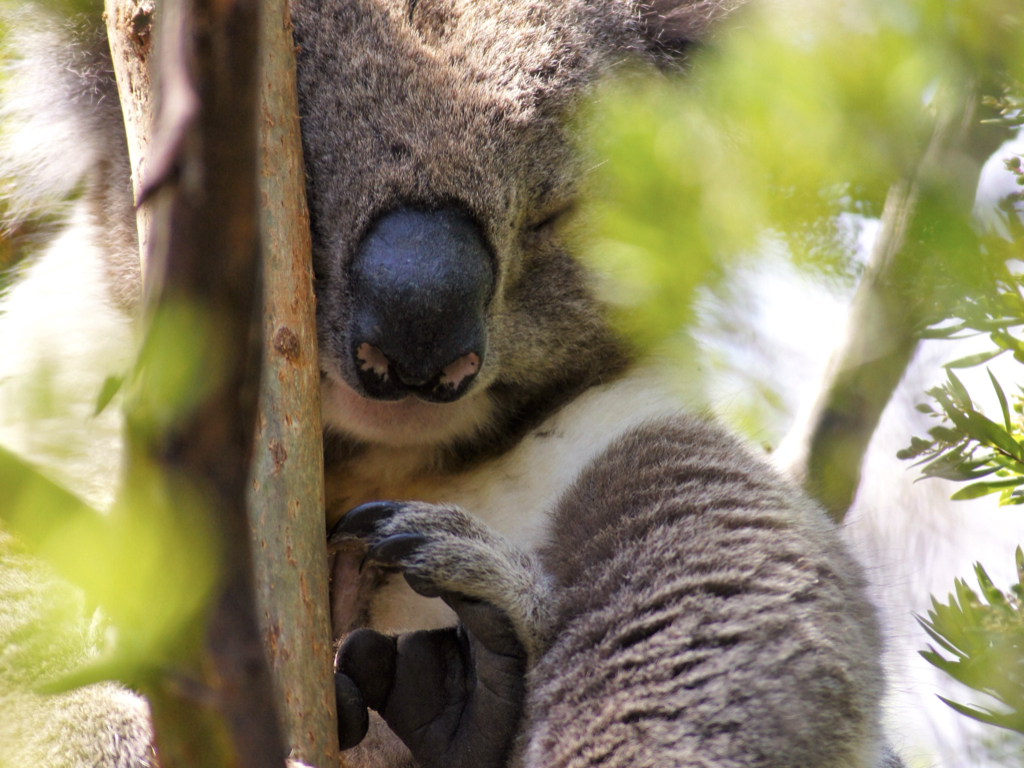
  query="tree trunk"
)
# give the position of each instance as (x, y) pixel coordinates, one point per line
(286, 500)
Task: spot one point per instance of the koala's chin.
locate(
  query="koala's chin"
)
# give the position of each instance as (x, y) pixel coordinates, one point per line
(409, 422)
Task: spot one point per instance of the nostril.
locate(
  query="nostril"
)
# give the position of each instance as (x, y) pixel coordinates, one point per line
(377, 374)
(383, 379)
(372, 360)
(455, 373)
(452, 381)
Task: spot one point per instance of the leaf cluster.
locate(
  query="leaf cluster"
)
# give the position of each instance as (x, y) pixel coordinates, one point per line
(967, 446)
(1009, 105)
(983, 640)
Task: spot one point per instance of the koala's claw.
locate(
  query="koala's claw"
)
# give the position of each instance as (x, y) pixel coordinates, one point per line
(453, 695)
(394, 551)
(360, 522)
(443, 551)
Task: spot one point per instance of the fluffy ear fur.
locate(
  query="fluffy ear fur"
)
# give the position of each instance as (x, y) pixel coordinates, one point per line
(674, 27)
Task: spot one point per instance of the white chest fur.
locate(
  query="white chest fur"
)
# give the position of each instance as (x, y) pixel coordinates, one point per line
(514, 493)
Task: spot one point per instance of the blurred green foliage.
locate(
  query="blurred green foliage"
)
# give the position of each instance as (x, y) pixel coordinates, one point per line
(151, 561)
(794, 117)
(986, 642)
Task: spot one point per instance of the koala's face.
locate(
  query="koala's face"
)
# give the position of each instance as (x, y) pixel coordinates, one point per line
(439, 166)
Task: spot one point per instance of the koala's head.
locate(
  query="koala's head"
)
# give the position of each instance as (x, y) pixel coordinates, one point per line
(439, 164)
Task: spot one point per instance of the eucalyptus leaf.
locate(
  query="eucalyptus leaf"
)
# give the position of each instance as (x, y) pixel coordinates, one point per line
(1003, 405)
(972, 360)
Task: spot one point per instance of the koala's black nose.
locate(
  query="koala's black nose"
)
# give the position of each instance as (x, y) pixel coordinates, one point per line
(421, 281)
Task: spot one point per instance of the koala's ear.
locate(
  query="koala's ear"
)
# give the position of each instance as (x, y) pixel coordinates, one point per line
(675, 27)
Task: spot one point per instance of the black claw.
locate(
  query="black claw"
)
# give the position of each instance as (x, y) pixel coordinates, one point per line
(390, 551)
(422, 586)
(359, 522)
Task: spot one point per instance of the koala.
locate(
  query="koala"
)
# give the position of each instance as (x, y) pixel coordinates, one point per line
(538, 557)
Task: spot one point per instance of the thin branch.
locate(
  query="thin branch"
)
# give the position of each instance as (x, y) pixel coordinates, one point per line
(130, 32)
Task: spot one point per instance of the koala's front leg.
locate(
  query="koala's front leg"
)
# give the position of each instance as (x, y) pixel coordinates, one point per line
(454, 695)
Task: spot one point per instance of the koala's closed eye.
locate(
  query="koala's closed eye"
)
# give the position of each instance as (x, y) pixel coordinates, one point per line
(554, 222)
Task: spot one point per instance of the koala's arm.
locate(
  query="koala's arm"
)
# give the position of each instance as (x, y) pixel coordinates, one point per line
(706, 615)
(44, 634)
(690, 609)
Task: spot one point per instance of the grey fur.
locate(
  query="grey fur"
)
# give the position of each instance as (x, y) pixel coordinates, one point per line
(61, 134)
(461, 555)
(740, 636)
(688, 608)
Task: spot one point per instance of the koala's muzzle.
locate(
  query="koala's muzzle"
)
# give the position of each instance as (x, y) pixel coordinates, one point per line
(421, 282)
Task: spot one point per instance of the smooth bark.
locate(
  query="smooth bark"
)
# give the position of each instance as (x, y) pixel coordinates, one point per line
(286, 499)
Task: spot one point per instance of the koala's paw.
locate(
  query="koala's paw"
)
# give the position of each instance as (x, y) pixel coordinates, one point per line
(454, 695)
(445, 552)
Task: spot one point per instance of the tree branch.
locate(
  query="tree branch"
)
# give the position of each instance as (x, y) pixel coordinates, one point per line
(213, 703)
(286, 500)
(130, 32)
(286, 494)
(825, 448)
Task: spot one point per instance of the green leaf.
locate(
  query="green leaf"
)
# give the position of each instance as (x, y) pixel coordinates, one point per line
(111, 386)
(976, 490)
(972, 360)
(1006, 341)
(36, 508)
(946, 435)
(959, 391)
(986, 430)
(1002, 401)
(938, 638)
(954, 411)
(1013, 721)
(917, 447)
(993, 595)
